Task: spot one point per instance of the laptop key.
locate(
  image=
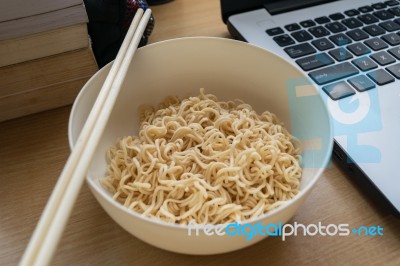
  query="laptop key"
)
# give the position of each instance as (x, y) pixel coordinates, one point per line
(368, 18)
(322, 20)
(352, 12)
(383, 58)
(391, 38)
(307, 23)
(380, 77)
(358, 49)
(283, 40)
(319, 31)
(336, 16)
(378, 6)
(395, 52)
(299, 50)
(340, 39)
(376, 44)
(357, 34)
(292, 27)
(315, 61)
(365, 9)
(374, 30)
(340, 54)
(352, 23)
(395, 11)
(383, 14)
(338, 90)
(364, 63)
(333, 73)
(274, 31)
(323, 44)
(390, 25)
(301, 36)
(361, 83)
(391, 3)
(394, 70)
(397, 20)
(335, 27)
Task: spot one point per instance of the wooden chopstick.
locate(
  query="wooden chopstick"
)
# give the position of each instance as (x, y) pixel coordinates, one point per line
(45, 238)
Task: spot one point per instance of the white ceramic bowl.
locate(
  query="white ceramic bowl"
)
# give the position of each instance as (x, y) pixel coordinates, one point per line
(230, 70)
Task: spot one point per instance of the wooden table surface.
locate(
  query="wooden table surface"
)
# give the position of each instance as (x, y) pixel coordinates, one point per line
(33, 151)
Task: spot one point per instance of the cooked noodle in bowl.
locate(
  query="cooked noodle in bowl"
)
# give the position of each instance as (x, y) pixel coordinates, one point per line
(249, 148)
(204, 160)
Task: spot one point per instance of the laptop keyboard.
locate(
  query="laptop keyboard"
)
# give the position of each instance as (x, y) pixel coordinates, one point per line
(343, 52)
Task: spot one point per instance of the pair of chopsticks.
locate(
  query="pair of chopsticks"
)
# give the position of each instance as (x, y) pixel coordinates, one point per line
(48, 231)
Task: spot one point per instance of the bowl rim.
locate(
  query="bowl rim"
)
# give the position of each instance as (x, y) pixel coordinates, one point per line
(302, 193)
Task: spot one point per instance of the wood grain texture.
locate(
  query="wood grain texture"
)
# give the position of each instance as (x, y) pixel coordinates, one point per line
(33, 150)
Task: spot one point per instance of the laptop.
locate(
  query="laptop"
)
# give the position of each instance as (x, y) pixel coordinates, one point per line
(351, 51)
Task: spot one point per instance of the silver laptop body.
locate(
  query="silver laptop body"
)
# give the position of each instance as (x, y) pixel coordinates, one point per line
(364, 97)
